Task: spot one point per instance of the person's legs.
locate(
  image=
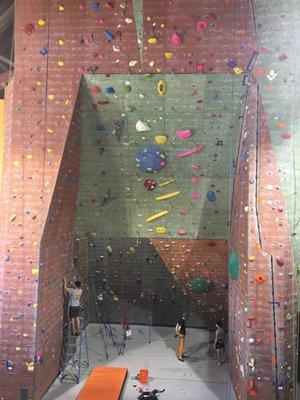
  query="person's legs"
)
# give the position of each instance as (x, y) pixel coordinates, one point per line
(73, 330)
(181, 347)
(77, 324)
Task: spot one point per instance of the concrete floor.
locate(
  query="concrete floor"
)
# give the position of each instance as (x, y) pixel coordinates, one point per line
(199, 377)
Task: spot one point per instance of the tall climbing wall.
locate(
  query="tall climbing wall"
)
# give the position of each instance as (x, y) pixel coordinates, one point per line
(262, 284)
(57, 42)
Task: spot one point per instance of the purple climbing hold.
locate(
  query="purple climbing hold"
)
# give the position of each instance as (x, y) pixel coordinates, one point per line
(43, 51)
(95, 6)
(232, 63)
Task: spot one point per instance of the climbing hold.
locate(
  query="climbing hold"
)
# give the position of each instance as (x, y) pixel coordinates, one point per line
(29, 29)
(184, 134)
(109, 90)
(234, 264)
(116, 48)
(108, 249)
(201, 285)
(211, 197)
(279, 261)
(200, 68)
(166, 183)
(176, 39)
(61, 42)
(43, 51)
(95, 6)
(287, 135)
(232, 63)
(158, 215)
(160, 230)
(141, 126)
(152, 40)
(162, 87)
(201, 25)
(128, 20)
(288, 317)
(149, 184)
(251, 388)
(61, 8)
(127, 88)
(131, 250)
(161, 139)
(193, 150)
(150, 158)
(169, 56)
(132, 63)
(108, 35)
(94, 90)
(61, 63)
(182, 232)
(12, 217)
(251, 258)
(101, 127)
(260, 278)
(195, 195)
(41, 22)
(168, 195)
(238, 71)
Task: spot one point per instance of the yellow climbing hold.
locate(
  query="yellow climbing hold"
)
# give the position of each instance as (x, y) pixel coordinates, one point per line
(12, 217)
(51, 96)
(61, 63)
(152, 40)
(34, 271)
(61, 42)
(61, 8)
(160, 230)
(158, 215)
(161, 139)
(166, 183)
(238, 71)
(16, 163)
(41, 22)
(168, 195)
(251, 258)
(169, 56)
(162, 87)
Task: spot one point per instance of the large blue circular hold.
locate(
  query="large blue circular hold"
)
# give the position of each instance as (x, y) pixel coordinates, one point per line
(150, 158)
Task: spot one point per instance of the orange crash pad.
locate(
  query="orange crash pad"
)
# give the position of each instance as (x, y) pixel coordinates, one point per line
(105, 383)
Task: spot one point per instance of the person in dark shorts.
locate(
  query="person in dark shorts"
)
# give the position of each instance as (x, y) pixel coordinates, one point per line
(219, 343)
(180, 332)
(75, 293)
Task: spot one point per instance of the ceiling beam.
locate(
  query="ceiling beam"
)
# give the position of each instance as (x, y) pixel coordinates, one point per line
(6, 18)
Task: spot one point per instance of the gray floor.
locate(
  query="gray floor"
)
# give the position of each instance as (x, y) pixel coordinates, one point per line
(199, 377)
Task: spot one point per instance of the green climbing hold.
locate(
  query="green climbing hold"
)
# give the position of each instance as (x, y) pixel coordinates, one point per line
(234, 264)
(127, 89)
(201, 285)
(147, 76)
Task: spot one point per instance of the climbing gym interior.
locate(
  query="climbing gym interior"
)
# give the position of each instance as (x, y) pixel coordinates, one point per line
(150, 151)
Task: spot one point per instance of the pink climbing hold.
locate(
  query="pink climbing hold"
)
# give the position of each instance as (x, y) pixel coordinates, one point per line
(182, 232)
(195, 179)
(193, 150)
(279, 261)
(287, 135)
(80, 70)
(176, 39)
(184, 134)
(183, 211)
(199, 68)
(195, 195)
(95, 90)
(202, 25)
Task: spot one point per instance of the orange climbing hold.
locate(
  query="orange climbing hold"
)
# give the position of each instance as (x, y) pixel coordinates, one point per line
(260, 278)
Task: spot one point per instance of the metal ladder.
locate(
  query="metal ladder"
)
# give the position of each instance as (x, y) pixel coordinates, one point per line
(75, 355)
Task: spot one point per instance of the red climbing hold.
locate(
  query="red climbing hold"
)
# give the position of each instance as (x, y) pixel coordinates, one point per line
(279, 261)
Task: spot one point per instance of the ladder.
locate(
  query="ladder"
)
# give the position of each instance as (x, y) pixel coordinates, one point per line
(75, 355)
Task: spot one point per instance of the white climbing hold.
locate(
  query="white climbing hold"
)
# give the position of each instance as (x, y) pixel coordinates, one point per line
(128, 20)
(141, 126)
(132, 63)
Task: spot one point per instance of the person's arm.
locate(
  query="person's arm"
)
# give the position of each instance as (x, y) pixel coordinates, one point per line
(65, 286)
(216, 337)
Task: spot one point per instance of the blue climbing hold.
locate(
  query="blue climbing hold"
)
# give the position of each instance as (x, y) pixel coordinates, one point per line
(44, 51)
(150, 158)
(95, 6)
(101, 127)
(232, 63)
(109, 90)
(211, 197)
(109, 36)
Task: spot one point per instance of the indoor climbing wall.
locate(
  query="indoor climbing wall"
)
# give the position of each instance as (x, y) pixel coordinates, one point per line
(132, 282)
(262, 284)
(188, 125)
(56, 43)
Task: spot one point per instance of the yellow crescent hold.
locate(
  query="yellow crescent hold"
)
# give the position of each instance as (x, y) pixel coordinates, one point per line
(168, 195)
(158, 215)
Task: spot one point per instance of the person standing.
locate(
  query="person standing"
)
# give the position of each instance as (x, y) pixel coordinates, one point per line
(219, 343)
(180, 332)
(74, 305)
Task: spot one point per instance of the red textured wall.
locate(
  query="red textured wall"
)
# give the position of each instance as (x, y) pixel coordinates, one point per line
(189, 259)
(260, 234)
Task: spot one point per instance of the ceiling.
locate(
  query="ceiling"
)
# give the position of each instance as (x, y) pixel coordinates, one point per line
(6, 40)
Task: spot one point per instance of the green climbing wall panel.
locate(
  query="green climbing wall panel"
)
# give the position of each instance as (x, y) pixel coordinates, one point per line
(112, 186)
